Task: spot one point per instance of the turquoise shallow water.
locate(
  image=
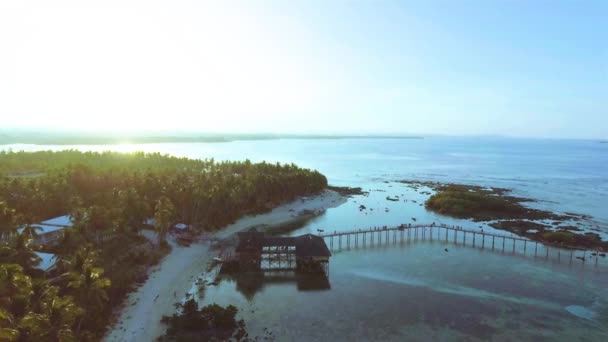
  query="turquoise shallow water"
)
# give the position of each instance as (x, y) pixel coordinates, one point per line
(416, 290)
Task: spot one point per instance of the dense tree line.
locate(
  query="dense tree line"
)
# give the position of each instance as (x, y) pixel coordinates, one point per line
(109, 196)
(205, 193)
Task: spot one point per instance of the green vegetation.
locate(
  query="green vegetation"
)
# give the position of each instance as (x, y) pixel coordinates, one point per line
(519, 227)
(348, 191)
(210, 323)
(117, 186)
(569, 239)
(508, 212)
(563, 237)
(33, 308)
(482, 204)
(103, 256)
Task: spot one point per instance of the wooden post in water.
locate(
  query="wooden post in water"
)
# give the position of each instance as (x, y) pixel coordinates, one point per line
(446, 235)
(483, 240)
(503, 244)
(348, 241)
(493, 238)
(371, 234)
(535, 247)
(340, 242)
(331, 243)
(474, 235)
(525, 247)
(559, 255)
(597, 257)
(513, 246)
(547, 254)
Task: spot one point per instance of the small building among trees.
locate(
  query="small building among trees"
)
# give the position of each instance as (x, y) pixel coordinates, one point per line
(49, 232)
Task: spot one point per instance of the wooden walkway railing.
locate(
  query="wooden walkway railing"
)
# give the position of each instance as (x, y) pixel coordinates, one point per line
(378, 236)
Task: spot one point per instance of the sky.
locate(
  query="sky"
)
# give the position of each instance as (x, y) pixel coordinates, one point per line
(454, 67)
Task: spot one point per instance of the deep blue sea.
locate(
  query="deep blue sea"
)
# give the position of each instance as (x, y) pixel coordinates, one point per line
(417, 290)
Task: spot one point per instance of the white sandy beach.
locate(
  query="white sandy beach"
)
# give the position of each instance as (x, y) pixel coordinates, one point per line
(173, 277)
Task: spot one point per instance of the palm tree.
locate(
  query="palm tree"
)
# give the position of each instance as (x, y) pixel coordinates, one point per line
(133, 209)
(70, 240)
(164, 213)
(32, 231)
(81, 259)
(8, 221)
(86, 282)
(90, 286)
(8, 329)
(51, 316)
(15, 289)
(20, 252)
(24, 254)
(97, 219)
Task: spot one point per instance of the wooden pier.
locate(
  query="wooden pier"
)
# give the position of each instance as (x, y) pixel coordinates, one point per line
(381, 236)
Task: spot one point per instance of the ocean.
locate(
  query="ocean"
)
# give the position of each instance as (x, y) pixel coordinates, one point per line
(417, 290)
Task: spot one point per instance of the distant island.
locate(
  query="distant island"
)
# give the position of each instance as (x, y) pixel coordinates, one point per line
(75, 138)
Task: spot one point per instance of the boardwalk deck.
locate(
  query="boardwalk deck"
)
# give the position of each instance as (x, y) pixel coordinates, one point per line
(378, 236)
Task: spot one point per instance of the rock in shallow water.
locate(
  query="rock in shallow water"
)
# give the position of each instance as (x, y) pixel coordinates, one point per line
(581, 312)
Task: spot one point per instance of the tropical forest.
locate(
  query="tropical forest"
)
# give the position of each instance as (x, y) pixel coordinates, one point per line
(110, 198)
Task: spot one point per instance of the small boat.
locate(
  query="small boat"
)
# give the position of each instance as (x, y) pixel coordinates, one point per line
(320, 230)
(216, 259)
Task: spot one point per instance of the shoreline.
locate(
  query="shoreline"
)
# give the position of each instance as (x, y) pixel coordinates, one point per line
(170, 280)
(109, 139)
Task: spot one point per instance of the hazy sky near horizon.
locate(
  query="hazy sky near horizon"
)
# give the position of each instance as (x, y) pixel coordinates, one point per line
(458, 67)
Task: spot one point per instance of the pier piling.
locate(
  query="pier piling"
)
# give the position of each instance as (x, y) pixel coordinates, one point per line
(419, 232)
